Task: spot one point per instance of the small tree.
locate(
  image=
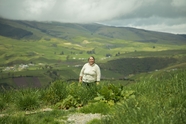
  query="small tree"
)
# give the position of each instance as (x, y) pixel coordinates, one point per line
(108, 55)
(62, 53)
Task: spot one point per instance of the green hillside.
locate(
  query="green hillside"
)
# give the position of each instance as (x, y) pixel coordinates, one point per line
(142, 74)
(156, 98)
(47, 51)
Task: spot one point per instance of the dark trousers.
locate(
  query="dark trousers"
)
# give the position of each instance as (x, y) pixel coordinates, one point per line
(89, 84)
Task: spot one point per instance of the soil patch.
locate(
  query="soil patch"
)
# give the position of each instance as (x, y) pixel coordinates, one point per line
(24, 82)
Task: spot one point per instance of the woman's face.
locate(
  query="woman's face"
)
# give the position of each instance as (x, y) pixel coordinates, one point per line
(91, 60)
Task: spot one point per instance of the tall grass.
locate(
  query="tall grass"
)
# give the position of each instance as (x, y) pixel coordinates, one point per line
(55, 92)
(2, 104)
(14, 120)
(7, 97)
(28, 99)
(154, 100)
(158, 101)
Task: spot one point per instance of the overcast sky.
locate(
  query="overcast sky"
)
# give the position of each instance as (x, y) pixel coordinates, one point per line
(157, 15)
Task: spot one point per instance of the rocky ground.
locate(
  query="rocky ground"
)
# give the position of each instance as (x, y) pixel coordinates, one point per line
(80, 118)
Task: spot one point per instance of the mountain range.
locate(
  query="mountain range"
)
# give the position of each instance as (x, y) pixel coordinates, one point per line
(34, 30)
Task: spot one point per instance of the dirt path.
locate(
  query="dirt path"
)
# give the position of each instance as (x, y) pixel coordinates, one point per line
(76, 118)
(80, 118)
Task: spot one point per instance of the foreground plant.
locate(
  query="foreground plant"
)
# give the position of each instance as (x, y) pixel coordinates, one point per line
(55, 92)
(28, 99)
(2, 105)
(98, 107)
(158, 101)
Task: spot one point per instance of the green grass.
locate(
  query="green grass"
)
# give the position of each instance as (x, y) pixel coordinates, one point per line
(50, 39)
(153, 97)
(27, 100)
(2, 105)
(158, 98)
(99, 107)
(46, 49)
(125, 65)
(21, 51)
(53, 117)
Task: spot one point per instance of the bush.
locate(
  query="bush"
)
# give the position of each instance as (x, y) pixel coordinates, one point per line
(78, 95)
(82, 92)
(56, 92)
(28, 99)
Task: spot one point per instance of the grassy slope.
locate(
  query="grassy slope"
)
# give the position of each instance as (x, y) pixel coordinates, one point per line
(12, 50)
(49, 40)
(154, 99)
(159, 99)
(48, 52)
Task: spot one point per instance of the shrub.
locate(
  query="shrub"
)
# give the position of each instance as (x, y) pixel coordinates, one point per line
(56, 92)
(82, 92)
(77, 95)
(28, 99)
(68, 102)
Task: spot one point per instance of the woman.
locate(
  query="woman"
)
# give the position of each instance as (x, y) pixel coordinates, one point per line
(90, 73)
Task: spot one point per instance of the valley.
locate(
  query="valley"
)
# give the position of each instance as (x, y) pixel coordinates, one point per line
(43, 52)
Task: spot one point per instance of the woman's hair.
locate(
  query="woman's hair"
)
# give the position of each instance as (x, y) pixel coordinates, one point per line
(92, 57)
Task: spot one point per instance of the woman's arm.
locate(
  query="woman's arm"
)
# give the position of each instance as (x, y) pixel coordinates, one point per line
(98, 73)
(81, 73)
(80, 79)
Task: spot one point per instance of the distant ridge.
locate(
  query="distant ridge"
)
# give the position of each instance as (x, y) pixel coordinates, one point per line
(36, 30)
(13, 32)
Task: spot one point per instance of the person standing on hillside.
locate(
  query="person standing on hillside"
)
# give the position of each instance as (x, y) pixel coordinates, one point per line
(90, 72)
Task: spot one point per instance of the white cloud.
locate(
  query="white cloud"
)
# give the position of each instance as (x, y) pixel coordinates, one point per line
(69, 10)
(92, 11)
(179, 3)
(175, 29)
(36, 7)
(154, 23)
(146, 13)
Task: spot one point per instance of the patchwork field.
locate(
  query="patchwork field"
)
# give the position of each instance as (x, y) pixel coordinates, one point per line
(44, 52)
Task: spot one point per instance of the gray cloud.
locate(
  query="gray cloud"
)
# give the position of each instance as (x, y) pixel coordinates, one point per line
(158, 15)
